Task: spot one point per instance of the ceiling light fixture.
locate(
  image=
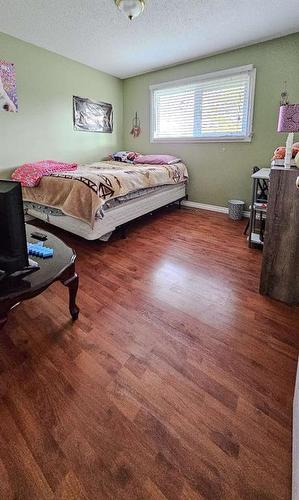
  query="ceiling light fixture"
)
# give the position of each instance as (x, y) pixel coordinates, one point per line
(131, 8)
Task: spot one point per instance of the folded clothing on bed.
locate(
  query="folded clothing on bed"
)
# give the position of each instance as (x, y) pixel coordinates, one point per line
(124, 156)
(30, 174)
(82, 192)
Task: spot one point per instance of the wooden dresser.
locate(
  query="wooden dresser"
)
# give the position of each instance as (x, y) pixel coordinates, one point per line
(280, 267)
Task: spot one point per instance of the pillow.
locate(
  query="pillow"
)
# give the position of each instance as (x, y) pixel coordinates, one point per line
(157, 159)
(124, 156)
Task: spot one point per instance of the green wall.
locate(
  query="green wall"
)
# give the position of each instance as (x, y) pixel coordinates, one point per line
(220, 171)
(43, 127)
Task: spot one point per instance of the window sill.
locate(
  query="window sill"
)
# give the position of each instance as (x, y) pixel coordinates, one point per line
(186, 140)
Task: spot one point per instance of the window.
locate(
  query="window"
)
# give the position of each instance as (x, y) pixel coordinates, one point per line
(213, 107)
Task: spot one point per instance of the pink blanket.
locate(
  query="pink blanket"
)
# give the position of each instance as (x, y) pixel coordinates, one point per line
(30, 174)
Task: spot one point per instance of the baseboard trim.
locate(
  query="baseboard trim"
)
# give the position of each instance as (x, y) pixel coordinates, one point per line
(295, 489)
(212, 208)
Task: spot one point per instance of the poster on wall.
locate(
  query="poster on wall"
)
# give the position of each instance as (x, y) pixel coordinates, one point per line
(8, 88)
(90, 116)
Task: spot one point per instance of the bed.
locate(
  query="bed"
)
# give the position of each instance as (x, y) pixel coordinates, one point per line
(97, 198)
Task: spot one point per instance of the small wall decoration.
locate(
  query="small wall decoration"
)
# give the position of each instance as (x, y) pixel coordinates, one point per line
(8, 89)
(90, 116)
(136, 129)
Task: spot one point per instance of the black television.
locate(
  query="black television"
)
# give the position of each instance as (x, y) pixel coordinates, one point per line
(13, 243)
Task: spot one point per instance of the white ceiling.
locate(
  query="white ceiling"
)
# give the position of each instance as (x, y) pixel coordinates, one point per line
(95, 33)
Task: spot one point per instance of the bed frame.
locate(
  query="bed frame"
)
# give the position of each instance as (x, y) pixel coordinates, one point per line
(116, 216)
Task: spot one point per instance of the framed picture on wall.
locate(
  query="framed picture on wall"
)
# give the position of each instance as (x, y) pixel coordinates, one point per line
(8, 89)
(91, 116)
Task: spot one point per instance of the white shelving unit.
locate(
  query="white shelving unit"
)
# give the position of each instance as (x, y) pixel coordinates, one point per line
(258, 209)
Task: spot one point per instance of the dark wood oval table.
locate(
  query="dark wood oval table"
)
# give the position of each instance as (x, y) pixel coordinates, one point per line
(60, 267)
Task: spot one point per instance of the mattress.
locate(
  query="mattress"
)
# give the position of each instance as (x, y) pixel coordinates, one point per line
(56, 212)
(117, 215)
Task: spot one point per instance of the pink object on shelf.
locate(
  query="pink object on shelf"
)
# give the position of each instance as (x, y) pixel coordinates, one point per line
(288, 120)
(30, 174)
(157, 159)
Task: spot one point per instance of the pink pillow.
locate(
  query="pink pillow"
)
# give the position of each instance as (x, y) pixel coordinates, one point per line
(157, 159)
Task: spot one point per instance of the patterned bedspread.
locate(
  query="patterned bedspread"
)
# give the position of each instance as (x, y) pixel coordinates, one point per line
(82, 192)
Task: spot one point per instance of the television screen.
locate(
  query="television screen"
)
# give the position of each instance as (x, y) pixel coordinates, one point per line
(13, 244)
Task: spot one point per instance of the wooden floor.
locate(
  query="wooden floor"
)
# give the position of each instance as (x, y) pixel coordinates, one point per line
(176, 382)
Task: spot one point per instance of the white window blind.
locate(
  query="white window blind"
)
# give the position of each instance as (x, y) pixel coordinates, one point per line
(217, 106)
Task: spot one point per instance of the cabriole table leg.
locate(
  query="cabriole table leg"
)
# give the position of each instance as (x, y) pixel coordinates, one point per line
(73, 283)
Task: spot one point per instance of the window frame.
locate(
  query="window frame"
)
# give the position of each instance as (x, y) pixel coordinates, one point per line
(207, 76)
